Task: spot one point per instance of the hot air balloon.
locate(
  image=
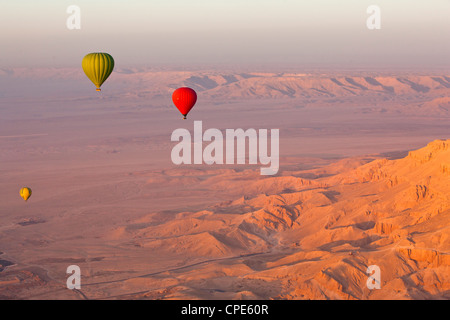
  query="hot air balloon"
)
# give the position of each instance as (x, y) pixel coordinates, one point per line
(184, 99)
(98, 66)
(25, 193)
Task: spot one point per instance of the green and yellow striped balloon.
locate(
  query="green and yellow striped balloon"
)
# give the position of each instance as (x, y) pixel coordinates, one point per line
(98, 66)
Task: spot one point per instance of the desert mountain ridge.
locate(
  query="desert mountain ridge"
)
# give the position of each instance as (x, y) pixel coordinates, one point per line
(314, 239)
(371, 93)
(233, 85)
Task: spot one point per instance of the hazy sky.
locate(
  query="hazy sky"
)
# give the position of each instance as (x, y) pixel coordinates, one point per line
(414, 33)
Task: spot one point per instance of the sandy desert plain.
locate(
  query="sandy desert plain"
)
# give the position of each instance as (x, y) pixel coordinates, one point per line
(364, 180)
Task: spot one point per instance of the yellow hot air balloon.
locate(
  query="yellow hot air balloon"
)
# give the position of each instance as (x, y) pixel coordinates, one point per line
(98, 66)
(25, 193)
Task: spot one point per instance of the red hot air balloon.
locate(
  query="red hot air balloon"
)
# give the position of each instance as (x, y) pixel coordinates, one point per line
(184, 99)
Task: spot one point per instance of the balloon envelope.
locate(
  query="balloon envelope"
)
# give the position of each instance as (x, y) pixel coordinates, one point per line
(25, 193)
(184, 99)
(98, 66)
